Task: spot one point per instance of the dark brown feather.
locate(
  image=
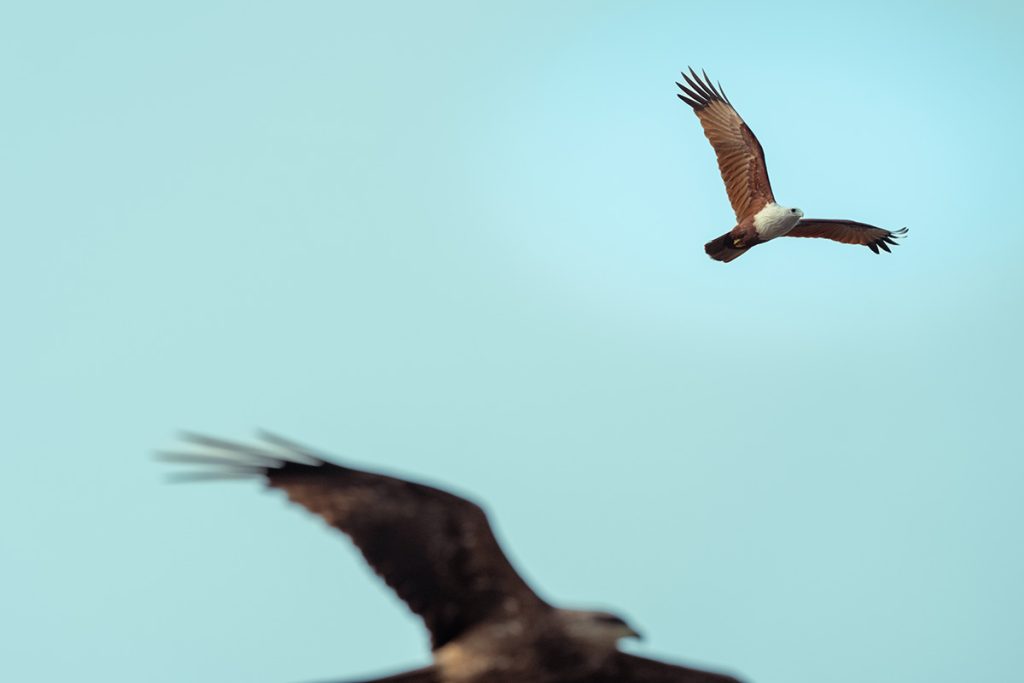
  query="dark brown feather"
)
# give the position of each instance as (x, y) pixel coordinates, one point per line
(723, 248)
(626, 668)
(429, 674)
(434, 549)
(848, 232)
(740, 156)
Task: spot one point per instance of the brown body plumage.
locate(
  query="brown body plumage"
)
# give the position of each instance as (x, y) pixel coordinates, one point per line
(436, 550)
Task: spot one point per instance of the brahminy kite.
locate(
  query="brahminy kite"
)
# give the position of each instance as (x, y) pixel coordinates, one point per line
(741, 161)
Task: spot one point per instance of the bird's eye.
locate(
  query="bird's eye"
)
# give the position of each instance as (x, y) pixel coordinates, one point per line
(792, 210)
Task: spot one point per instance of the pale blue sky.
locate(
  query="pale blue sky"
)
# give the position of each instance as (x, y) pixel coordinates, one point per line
(465, 244)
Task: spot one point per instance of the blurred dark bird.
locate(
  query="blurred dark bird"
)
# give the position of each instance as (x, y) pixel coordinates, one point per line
(436, 550)
(741, 161)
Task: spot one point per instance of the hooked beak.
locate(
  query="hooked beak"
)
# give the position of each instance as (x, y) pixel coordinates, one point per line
(633, 633)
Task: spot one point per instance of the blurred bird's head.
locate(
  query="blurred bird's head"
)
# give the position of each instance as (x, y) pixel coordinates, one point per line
(603, 628)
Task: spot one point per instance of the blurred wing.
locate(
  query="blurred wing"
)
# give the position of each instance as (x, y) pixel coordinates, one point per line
(625, 668)
(434, 549)
(740, 157)
(848, 232)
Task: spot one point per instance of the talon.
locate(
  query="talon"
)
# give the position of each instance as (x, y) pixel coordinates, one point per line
(737, 243)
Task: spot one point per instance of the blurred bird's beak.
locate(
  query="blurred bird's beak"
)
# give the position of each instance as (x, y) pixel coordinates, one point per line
(633, 633)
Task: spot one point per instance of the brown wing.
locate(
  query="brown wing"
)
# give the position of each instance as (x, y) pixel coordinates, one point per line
(434, 549)
(625, 668)
(740, 157)
(848, 232)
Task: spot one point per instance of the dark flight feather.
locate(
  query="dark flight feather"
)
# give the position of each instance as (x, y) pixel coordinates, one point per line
(434, 549)
(848, 232)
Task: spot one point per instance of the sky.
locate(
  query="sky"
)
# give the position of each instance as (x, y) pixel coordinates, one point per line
(463, 242)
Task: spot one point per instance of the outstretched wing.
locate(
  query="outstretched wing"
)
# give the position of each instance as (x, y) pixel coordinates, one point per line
(434, 549)
(626, 668)
(740, 157)
(848, 232)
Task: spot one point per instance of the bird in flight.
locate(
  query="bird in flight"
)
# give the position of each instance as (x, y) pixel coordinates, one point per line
(437, 551)
(741, 160)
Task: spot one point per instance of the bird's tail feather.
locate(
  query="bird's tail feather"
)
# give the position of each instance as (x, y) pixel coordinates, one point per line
(426, 675)
(721, 248)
